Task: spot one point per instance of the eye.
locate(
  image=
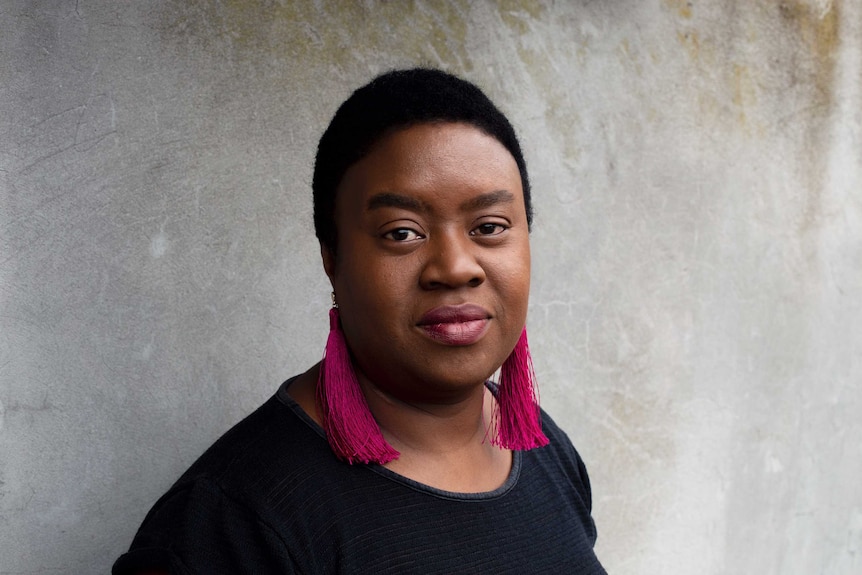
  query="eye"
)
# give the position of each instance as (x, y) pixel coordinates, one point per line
(403, 235)
(489, 229)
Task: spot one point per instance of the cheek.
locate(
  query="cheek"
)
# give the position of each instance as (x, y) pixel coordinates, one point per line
(370, 290)
(518, 286)
(517, 272)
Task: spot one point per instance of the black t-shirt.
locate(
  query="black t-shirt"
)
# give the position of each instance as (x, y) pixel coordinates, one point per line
(270, 497)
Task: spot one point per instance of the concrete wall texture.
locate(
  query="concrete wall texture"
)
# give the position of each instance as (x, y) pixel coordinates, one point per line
(696, 312)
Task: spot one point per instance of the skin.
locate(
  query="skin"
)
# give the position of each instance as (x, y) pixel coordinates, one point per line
(433, 216)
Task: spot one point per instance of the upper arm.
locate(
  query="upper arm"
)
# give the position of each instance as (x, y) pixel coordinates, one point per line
(199, 529)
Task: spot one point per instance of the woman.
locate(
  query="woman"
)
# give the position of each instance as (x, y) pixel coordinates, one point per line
(395, 454)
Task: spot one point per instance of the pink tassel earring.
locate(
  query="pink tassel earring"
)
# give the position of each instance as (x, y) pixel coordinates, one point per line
(517, 417)
(351, 430)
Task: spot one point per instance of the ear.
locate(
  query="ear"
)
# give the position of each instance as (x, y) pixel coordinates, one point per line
(328, 262)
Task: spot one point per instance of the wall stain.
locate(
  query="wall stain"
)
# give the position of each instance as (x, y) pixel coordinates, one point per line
(637, 421)
(530, 19)
(516, 14)
(815, 25)
(29, 411)
(817, 28)
(691, 41)
(744, 92)
(256, 34)
(774, 73)
(682, 7)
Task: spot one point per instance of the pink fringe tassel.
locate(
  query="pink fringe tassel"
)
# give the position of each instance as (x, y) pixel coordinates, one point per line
(517, 418)
(351, 430)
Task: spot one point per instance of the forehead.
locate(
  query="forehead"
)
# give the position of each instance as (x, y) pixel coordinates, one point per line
(448, 162)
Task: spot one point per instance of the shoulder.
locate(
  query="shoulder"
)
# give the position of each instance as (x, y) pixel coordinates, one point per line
(561, 447)
(558, 467)
(218, 507)
(198, 527)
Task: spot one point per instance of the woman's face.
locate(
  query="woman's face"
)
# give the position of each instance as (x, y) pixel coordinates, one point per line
(432, 275)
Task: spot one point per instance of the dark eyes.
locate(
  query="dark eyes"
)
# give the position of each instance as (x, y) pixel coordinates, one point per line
(488, 230)
(409, 234)
(403, 235)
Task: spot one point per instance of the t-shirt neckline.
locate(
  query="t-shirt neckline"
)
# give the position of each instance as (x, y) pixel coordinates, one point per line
(507, 485)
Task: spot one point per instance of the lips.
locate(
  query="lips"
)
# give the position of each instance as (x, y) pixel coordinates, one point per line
(456, 325)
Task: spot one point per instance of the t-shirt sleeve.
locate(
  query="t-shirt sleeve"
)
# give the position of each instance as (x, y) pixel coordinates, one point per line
(197, 528)
(573, 471)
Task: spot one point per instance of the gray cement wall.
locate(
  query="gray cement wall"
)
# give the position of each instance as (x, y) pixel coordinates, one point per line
(696, 312)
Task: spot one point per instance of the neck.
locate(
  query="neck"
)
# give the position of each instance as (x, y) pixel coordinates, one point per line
(441, 445)
(427, 426)
(444, 445)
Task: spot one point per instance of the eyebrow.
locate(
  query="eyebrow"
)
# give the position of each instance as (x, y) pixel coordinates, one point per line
(489, 199)
(392, 200)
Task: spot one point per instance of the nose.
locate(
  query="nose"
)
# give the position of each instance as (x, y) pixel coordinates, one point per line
(452, 263)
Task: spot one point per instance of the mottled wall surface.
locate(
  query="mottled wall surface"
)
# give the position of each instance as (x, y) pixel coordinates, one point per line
(696, 312)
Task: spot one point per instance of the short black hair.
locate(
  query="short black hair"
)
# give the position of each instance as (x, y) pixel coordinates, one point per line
(395, 100)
